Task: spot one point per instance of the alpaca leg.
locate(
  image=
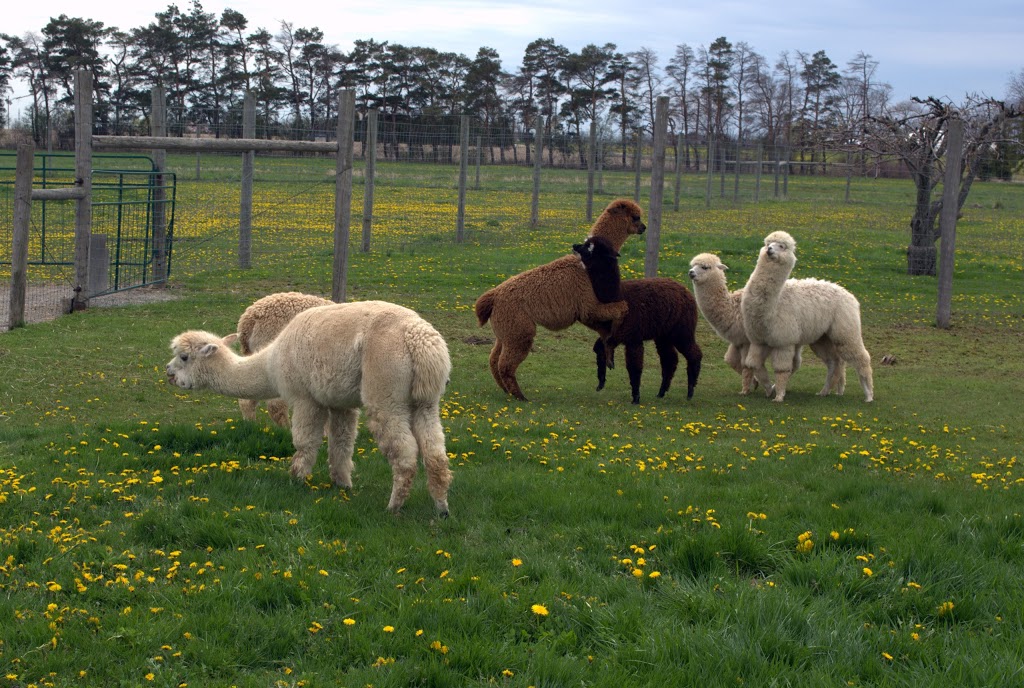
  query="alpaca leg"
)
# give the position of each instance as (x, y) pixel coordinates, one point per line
(493, 362)
(426, 426)
(248, 408)
(512, 354)
(835, 375)
(755, 358)
(782, 364)
(278, 410)
(393, 432)
(860, 359)
(602, 363)
(342, 426)
(308, 420)
(690, 350)
(635, 368)
(669, 360)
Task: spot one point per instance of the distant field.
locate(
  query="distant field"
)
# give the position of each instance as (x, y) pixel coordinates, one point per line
(151, 537)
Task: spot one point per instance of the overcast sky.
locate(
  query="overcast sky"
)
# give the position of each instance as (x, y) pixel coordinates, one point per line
(942, 48)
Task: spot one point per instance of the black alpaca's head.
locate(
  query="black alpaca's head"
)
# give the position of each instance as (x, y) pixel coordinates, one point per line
(596, 252)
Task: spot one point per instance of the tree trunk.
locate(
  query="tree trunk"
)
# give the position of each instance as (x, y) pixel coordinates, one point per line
(921, 253)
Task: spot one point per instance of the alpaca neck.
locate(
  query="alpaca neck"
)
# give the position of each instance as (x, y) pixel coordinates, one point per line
(713, 298)
(766, 284)
(243, 377)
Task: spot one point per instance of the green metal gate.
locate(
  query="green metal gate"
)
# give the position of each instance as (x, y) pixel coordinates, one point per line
(127, 193)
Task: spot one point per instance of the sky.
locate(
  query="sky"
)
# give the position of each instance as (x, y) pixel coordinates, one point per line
(944, 49)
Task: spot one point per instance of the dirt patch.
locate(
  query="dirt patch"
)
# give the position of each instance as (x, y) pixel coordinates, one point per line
(49, 302)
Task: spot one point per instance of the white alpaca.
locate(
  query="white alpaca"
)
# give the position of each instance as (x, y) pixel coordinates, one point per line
(259, 324)
(327, 363)
(780, 314)
(722, 309)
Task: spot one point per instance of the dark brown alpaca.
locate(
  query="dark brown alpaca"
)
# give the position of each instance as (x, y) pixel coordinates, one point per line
(554, 295)
(659, 308)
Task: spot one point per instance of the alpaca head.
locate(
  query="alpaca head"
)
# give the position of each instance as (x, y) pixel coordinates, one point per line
(601, 261)
(779, 247)
(596, 251)
(620, 220)
(706, 267)
(193, 351)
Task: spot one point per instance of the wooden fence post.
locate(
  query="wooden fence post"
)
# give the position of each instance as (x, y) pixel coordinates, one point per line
(537, 160)
(947, 219)
(591, 159)
(19, 234)
(158, 127)
(653, 243)
(637, 164)
(679, 170)
(343, 192)
(479, 149)
(248, 166)
(460, 222)
(369, 175)
(83, 179)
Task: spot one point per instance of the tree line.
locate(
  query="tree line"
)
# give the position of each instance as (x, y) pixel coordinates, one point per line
(206, 63)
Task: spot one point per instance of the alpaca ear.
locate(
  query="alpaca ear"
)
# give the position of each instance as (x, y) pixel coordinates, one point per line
(208, 349)
(723, 267)
(230, 339)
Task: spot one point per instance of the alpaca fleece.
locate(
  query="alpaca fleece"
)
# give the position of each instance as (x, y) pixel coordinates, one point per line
(659, 308)
(327, 363)
(781, 314)
(554, 295)
(259, 324)
(722, 309)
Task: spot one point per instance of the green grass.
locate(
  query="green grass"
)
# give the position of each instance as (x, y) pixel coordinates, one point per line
(150, 537)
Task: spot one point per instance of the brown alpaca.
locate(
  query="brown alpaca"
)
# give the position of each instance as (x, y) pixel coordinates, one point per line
(659, 308)
(554, 295)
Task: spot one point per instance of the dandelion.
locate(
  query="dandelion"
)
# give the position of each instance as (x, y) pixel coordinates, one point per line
(349, 621)
(944, 608)
(517, 562)
(388, 629)
(315, 628)
(868, 572)
(539, 610)
(887, 656)
(507, 673)
(654, 574)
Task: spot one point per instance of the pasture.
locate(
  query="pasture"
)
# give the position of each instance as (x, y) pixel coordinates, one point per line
(149, 536)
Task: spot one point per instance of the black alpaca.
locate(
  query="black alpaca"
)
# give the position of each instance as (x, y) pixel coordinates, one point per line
(659, 308)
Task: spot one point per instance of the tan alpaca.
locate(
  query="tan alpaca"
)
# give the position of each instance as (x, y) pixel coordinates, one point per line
(327, 363)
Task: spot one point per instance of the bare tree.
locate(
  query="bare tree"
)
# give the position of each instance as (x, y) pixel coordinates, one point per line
(919, 139)
(648, 83)
(679, 70)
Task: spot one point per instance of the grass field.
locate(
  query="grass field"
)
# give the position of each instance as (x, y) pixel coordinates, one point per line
(149, 536)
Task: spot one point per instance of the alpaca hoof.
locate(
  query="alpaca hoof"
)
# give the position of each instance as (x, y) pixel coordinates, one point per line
(300, 472)
(636, 400)
(600, 386)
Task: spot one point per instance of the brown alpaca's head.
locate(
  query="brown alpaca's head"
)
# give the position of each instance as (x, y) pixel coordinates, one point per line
(619, 220)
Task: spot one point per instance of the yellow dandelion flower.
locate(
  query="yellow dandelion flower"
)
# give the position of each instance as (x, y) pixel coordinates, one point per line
(349, 621)
(517, 562)
(388, 629)
(868, 572)
(539, 610)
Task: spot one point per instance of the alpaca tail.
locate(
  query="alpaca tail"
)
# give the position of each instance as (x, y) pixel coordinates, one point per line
(431, 365)
(484, 306)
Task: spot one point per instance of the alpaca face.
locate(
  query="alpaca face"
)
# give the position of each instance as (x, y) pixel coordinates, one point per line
(779, 247)
(596, 251)
(704, 267)
(190, 349)
(629, 211)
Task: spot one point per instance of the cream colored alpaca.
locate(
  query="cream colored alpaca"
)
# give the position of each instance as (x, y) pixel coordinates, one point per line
(259, 324)
(780, 314)
(722, 309)
(327, 363)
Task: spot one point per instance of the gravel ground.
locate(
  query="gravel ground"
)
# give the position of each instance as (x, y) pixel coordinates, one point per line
(45, 303)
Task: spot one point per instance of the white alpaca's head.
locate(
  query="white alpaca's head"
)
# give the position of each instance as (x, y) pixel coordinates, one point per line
(706, 267)
(193, 352)
(779, 247)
